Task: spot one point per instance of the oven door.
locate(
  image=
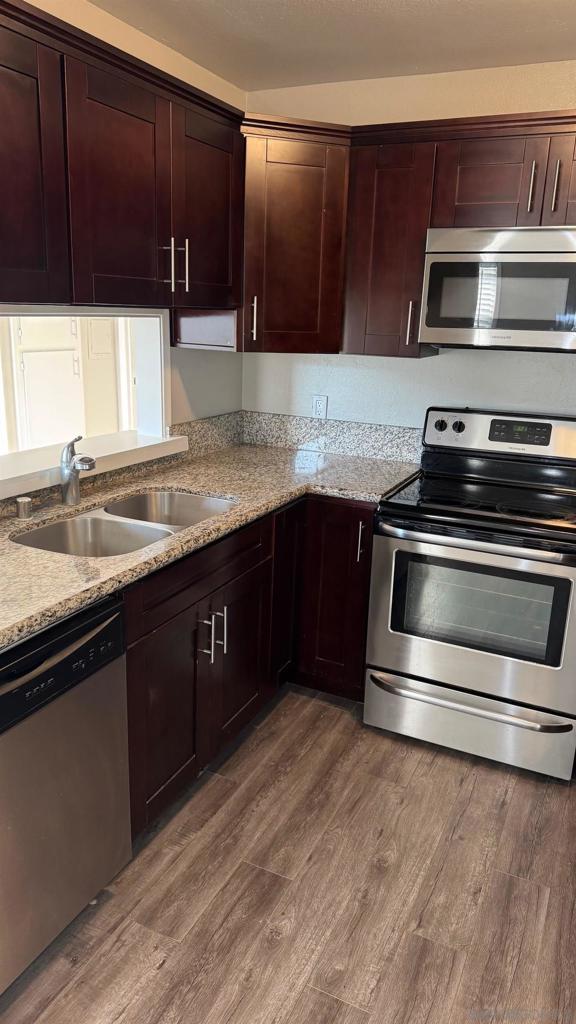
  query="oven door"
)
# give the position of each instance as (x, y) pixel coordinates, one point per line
(500, 300)
(478, 620)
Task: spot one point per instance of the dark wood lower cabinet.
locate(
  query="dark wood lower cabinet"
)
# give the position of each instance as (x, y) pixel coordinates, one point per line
(162, 701)
(334, 604)
(288, 552)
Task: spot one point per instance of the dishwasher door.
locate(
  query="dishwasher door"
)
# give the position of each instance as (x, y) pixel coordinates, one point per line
(64, 812)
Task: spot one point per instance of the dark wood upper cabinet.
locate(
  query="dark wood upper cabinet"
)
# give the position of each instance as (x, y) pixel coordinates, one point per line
(294, 243)
(33, 214)
(388, 216)
(208, 193)
(559, 205)
(335, 591)
(119, 172)
(496, 182)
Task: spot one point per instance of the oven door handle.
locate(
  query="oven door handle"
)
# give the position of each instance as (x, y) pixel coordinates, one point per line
(386, 529)
(536, 723)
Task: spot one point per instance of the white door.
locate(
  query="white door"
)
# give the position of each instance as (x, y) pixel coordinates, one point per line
(52, 397)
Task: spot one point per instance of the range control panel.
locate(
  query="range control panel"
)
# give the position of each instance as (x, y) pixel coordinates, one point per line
(496, 432)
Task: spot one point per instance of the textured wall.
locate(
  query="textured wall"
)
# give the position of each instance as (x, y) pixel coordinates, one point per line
(398, 391)
(550, 86)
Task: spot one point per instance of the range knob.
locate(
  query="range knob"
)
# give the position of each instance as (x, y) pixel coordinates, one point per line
(458, 426)
(440, 425)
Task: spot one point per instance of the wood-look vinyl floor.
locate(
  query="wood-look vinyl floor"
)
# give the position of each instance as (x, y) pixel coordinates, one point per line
(326, 873)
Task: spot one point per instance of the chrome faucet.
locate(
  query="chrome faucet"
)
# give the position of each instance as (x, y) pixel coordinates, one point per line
(71, 466)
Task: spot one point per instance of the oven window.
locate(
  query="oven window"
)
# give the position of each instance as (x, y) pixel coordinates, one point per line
(517, 296)
(522, 615)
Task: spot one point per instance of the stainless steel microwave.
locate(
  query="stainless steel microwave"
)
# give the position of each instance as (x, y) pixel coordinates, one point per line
(510, 288)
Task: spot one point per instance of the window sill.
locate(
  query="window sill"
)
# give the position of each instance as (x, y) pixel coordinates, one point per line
(21, 472)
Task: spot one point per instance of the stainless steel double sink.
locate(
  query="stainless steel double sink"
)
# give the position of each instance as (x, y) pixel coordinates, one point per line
(125, 525)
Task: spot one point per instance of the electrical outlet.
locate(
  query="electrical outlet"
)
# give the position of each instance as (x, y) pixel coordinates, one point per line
(320, 406)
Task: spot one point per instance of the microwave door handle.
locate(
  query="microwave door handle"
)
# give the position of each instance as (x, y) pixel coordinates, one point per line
(400, 688)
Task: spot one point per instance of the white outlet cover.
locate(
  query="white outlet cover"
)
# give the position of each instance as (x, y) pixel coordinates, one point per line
(320, 406)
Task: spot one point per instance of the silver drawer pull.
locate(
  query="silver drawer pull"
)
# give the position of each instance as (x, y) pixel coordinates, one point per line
(403, 690)
(224, 642)
(555, 189)
(212, 649)
(531, 188)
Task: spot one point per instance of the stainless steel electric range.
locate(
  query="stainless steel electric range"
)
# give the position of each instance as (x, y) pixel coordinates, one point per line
(472, 625)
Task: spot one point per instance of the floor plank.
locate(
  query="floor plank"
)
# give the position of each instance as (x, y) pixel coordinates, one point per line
(421, 983)
(508, 934)
(539, 837)
(445, 907)
(408, 824)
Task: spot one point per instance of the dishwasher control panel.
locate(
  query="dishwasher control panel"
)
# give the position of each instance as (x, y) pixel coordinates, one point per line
(40, 669)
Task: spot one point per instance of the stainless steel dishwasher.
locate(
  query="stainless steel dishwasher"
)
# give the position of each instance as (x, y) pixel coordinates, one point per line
(64, 790)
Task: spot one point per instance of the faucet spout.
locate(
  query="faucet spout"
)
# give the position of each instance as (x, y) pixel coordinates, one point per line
(71, 465)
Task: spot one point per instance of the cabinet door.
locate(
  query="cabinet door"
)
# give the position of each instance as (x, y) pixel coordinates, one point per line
(389, 213)
(242, 641)
(560, 192)
(119, 169)
(293, 250)
(33, 214)
(490, 182)
(208, 195)
(162, 716)
(335, 601)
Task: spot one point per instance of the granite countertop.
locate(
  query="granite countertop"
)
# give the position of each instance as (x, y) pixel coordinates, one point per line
(40, 587)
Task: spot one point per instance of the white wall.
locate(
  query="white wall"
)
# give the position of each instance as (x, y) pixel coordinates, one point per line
(547, 86)
(204, 383)
(398, 391)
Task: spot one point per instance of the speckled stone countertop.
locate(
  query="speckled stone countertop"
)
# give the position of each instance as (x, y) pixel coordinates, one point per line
(39, 587)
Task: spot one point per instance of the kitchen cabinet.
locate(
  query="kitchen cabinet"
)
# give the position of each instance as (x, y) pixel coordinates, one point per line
(119, 180)
(496, 182)
(198, 662)
(559, 205)
(334, 604)
(294, 245)
(389, 213)
(208, 196)
(162, 703)
(33, 215)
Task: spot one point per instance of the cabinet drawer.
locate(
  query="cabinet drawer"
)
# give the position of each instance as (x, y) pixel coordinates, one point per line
(169, 591)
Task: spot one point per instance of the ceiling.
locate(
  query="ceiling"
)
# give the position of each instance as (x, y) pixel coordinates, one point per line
(267, 44)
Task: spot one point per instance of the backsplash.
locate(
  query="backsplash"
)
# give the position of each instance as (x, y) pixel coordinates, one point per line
(343, 437)
(206, 435)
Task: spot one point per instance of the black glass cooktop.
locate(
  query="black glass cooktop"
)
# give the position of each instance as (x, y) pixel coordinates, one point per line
(459, 498)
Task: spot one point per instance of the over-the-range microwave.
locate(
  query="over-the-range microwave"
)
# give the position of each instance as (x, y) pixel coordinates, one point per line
(506, 288)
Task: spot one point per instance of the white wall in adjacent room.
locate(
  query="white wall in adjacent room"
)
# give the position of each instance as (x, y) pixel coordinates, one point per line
(370, 389)
(204, 383)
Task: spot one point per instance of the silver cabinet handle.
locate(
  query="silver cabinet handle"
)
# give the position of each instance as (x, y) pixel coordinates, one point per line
(224, 642)
(401, 689)
(360, 534)
(409, 324)
(186, 279)
(172, 249)
(212, 649)
(555, 189)
(531, 187)
(254, 317)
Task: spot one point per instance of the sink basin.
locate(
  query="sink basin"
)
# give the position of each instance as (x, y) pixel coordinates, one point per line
(170, 508)
(91, 537)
